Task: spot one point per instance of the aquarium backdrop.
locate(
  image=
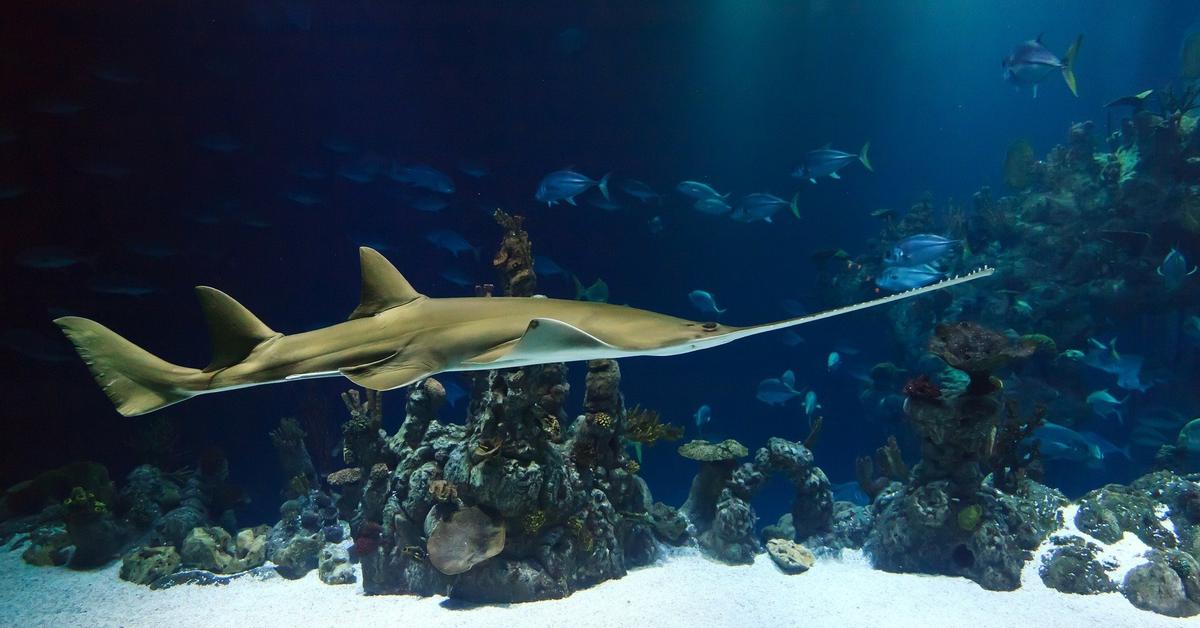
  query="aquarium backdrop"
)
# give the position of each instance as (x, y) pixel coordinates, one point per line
(151, 147)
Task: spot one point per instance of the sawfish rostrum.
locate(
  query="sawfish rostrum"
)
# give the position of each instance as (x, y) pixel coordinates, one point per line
(397, 336)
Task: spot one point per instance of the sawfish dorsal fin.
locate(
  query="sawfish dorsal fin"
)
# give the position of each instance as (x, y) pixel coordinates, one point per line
(394, 371)
(233, 329)
(383, 287)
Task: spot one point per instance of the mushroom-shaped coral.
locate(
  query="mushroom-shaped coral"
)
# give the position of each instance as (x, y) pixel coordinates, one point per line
(977, 350)
(718, 461)
(705, 451)
(466, 539)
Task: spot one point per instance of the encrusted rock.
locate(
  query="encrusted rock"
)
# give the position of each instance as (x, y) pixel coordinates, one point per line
(207, 549)
(790, 556)
(297, 556)
(147, 564)
(333, 566)
(48, 546)
(1155, 586)
(1073, 568)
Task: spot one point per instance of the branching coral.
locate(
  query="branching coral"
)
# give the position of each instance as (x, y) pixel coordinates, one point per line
(603, 419)
(645, 426)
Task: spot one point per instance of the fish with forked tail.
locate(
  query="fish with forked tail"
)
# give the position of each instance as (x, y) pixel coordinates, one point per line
(1030, 63)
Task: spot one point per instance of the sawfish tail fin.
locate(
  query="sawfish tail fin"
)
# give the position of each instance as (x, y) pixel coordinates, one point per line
(1068, 62)
(135, 380)
(862, 157)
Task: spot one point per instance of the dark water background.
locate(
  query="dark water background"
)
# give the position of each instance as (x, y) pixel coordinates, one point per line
(732, 93)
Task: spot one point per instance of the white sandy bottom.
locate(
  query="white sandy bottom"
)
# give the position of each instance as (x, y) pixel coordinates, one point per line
(684, 590)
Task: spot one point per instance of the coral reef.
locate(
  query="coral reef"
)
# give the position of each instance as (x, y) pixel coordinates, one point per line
(519, 502)
(946, 519)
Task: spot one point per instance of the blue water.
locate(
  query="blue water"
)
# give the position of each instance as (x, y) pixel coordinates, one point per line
(731, 93)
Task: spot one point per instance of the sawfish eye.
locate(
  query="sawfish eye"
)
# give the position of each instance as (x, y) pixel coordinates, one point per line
(709, 326)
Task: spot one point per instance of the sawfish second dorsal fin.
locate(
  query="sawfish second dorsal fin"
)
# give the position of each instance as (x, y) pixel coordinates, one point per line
(383, 287)
(234, 331)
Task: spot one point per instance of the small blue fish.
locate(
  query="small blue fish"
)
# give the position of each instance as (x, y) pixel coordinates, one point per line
(597, 292)
(458, 277)
(811, 405)
(51, 258)
(118, 285)
(761, 206)
(454, 392)
(923, 248)
(714, 206)
(473, 169)
(606, 204)
(827, 161)
(655, 225)
(431, 203)
(699, 191)
(705, 302)
(702, 416)
(793, 307)
(901, 278)
(777, 391)
(1106, 405)
(1030, 63)
(640, 191)
(833, 362)
(792, 339)
(547, 267)
(301, 197)
(565, 185)
(1174, 270)
(451, 241)
(422, 176)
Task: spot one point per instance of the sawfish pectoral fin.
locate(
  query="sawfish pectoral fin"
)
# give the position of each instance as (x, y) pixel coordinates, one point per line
(389, 373)
(548, 340)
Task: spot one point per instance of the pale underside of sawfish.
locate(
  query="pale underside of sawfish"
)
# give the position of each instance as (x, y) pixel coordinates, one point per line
(398, 336)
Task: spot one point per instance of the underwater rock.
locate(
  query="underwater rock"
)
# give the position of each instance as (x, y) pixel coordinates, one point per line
(333, 566)
(1108, 512)
(668, 523)
(1073, 567)
(922, 529)
(146, 495)
(423, 402)
(848, 529)
(363, 441)
(1169, 584)
(294, 553)
(297, 465)
(730, 538)
(55, 486)
(48, 545)
(468, 538)
(208, 549)
(789, 556)
(95, 533)
(146, 565)
(812, 509)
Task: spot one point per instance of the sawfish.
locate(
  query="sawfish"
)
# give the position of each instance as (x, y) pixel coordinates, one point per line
(398, 336)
